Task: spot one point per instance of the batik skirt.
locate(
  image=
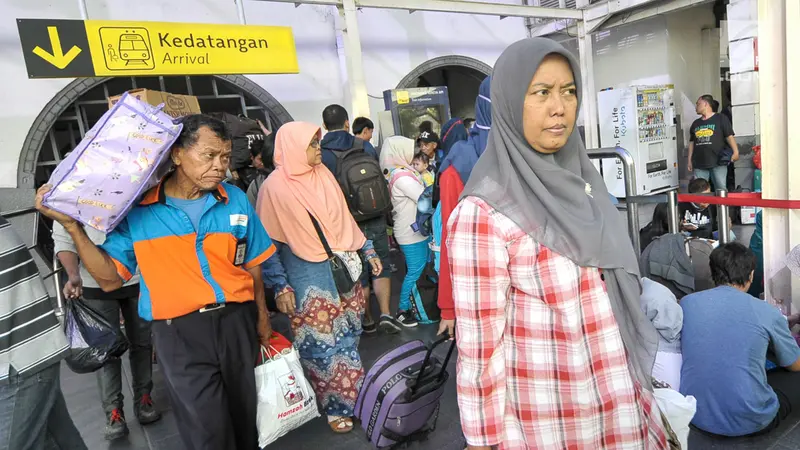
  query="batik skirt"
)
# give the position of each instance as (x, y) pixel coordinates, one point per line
(327, 329)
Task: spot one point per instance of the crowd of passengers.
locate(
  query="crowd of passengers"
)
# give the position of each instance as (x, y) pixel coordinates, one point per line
(561, 340)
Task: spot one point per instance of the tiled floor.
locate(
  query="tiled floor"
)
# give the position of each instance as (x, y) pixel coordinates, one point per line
(82, 398)
(81, 394)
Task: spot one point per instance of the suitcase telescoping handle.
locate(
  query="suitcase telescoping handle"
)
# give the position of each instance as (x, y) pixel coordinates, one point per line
(444, 338)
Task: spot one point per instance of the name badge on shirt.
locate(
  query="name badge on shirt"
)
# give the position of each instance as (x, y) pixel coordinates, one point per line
(241, 249)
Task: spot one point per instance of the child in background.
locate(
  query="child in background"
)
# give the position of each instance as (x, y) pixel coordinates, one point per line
(421, 164)
(700, 219)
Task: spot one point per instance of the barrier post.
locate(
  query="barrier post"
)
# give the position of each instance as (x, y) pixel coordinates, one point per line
(672, 208)
(629, 177)
(722, 219)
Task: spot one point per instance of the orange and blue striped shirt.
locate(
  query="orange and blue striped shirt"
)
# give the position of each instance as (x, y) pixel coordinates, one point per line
(182, 268)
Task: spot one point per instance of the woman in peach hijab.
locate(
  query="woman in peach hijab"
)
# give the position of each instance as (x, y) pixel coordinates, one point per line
(326, 323)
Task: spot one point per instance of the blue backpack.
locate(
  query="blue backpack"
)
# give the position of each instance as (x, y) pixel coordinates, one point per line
(425, 211)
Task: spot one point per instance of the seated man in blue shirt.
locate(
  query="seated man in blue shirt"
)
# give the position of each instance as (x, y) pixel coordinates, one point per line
(725, 338)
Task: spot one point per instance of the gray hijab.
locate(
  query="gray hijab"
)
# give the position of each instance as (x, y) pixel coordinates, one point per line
(560, 199)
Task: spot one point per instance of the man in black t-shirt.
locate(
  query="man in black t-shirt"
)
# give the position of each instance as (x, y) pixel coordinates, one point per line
(708, 136)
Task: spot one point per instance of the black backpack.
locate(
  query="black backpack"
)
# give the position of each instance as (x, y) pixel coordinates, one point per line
(426, 309)
(362, 181)
(246, 135)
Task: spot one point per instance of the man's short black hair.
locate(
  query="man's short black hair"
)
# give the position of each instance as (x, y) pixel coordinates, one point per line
(362, 123)
(698, 185)
(708, 98)
(334, 117)
(192, 124)
(268, 151)
(732, 264)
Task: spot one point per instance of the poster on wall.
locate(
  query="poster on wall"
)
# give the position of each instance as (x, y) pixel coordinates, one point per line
(617, 110)
(641, 120)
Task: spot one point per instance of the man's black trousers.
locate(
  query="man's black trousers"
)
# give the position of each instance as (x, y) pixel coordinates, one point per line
(208, 360)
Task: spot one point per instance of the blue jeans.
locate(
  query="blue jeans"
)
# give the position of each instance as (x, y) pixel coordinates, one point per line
(718, 176)
(34, 416)
(416, 258)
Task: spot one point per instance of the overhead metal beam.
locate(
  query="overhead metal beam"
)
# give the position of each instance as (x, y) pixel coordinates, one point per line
(454, 6)
(551, 27)
(637, 13)
(610, 14)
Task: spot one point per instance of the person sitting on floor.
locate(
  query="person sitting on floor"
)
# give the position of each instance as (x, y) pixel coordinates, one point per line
(659, 226)
(700, 219)
(724, 342)
(661, 307)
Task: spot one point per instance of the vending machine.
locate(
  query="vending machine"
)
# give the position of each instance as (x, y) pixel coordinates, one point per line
(640, 119)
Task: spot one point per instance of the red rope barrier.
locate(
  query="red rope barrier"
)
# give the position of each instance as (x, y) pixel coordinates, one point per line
(740, 199)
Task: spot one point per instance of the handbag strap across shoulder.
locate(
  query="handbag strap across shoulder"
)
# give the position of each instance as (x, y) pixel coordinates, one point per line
(321, 235)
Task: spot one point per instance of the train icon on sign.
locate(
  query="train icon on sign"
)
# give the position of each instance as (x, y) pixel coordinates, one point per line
(133, 49)
(127, 48)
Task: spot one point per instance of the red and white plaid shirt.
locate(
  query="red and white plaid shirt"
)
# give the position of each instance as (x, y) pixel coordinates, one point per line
(541, 364)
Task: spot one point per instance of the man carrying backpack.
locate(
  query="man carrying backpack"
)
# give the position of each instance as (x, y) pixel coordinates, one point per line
(354, 163)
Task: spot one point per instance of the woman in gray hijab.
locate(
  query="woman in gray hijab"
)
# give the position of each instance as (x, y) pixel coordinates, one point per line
(554, 350)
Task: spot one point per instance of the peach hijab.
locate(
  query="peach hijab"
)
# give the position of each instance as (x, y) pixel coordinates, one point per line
(296, 188)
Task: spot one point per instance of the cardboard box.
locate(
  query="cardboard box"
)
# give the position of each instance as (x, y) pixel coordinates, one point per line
(175, 105)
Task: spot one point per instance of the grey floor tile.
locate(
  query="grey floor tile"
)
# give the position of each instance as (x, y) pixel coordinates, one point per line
(81, 395)
(172, 442)
(791, 438)
(84, 404)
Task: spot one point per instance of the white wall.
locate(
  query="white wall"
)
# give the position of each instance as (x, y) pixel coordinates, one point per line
(693, 61)
(393, 44)
(663, 49)
(745, 98)
(631, 54)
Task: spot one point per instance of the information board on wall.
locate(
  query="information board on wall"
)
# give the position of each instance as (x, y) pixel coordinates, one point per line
(89, 48)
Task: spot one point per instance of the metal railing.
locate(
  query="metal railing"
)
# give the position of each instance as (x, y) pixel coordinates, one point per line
(629, 178)
(672, 210)
(632, 202)
(723, 217)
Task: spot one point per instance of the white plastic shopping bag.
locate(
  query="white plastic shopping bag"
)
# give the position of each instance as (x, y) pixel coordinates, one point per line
(678, 410)
(285, 398)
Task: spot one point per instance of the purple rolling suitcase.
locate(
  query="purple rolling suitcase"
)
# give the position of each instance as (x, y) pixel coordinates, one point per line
(123, 155)
(399, 401)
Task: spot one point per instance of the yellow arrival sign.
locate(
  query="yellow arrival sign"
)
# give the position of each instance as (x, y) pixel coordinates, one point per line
(70, 48)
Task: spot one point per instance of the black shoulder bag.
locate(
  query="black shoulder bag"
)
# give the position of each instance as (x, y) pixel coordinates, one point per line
(341, 276)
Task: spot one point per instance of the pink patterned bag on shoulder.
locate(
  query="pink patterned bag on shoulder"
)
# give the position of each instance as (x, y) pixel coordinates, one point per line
(121, 157)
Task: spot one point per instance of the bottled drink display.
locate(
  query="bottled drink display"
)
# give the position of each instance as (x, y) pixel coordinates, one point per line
(650, 99)
(650, 106)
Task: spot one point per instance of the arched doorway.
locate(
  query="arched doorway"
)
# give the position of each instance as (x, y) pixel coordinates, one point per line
(76, 108)
(461, 74)
(71, 112)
